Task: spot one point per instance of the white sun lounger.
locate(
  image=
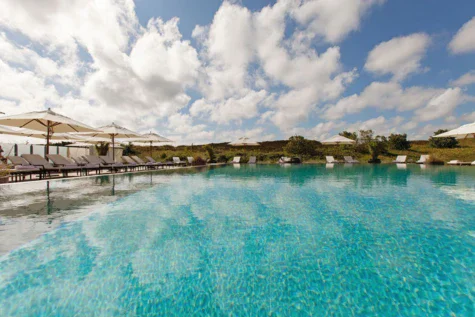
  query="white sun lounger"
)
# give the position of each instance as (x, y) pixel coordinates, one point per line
(236, 160)
(457, 162)
(401, 159)
(423, 159)
(351, 160)
(331, 159)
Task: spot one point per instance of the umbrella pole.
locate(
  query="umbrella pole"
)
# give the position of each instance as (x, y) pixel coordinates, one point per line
(151, 149)
(113, 149)
(48, 127)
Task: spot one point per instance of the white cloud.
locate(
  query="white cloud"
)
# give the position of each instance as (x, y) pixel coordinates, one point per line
(332, 20)
(465, 80)
(464, 40)
(381, 95)
(441, 105)
(399, 56)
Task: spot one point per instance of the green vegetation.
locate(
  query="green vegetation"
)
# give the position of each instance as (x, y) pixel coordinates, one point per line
(102, 148)
(4, 170)
(300, 147)
(399, 142)
(349, 135)
(442, 143)
(271, 151)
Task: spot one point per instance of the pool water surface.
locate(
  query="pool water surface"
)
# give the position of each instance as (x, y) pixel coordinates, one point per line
(242, 240)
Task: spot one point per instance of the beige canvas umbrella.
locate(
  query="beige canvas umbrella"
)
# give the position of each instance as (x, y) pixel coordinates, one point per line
(114, 131)
(47, 121)
(151, 138)
(244, 141)
(6, 130)
(338, 139)
(462, 132)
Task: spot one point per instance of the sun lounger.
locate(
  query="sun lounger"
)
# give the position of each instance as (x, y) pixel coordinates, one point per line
(131, 163)
(61, 161)
(142, 162)
(21, 171)
(331, 159)
(177, 161)
(349, 159)
(473, 163)
(236, 160)
(93, 159)
(457, 162)
(190, 160)
(252, 160)
(151, 160)
(19, 161)
(108, 161)
(46, 167)
(400, 159)
(423, 159)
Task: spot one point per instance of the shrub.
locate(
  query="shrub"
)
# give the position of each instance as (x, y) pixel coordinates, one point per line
(299, 146)
(210, 151)
(433, 160)
(376, 145)
(399, 142)
(4, 170)
(442, 142)
(129, 149)
(198, 160)
(164, 155)
(222, 159)
(102, 148)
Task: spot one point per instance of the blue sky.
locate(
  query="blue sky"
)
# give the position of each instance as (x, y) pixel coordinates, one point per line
(211, 71)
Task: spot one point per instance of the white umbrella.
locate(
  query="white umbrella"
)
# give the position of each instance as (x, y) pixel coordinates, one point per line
(462, 132)
(114, 131)
(338, 139)
(244, 141)
(6, 130)
(47, 121)
(151, 138)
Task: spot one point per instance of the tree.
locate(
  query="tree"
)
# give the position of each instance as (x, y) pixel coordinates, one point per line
(210, 151)
(442, 142)
(349, 135)
(399, 142)
(376, 144)
(299, 146)
(129, 149)
(102, 148)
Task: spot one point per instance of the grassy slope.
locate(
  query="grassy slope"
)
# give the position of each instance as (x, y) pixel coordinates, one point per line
(271, 151)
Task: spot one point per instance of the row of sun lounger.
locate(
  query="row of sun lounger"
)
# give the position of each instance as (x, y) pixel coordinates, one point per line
(34, 164)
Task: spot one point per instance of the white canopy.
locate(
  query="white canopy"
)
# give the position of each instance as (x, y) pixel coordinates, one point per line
(338, 139)
(244, 141)
(151, 138)
(462, 132)
(6, 130)
(47, 121)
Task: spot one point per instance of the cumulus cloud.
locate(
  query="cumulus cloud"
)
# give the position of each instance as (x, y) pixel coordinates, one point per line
(399, 56)
(465, 80)
(332, 20)
(464, 40)
(441, 105)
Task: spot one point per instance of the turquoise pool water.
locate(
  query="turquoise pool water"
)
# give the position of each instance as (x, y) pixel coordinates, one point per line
(249, 241)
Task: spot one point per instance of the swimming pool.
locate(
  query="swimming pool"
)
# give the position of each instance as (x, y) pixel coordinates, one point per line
(243, 241)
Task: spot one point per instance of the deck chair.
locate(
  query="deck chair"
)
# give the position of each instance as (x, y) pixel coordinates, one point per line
(423, 159)
(142, 162)
(61, 161)
(400, 159)
(131, 163)
(21, 171)
(252, 160)
(20, 161)
(177, 161)
(457, 162)
(46, 167)
(236, 160)
(190, 160)
(331, 159)
(349, 159)
(93, 159)
(151, 160)
(473, 163)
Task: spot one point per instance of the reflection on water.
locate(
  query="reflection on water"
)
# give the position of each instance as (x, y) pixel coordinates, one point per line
(304, 240)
